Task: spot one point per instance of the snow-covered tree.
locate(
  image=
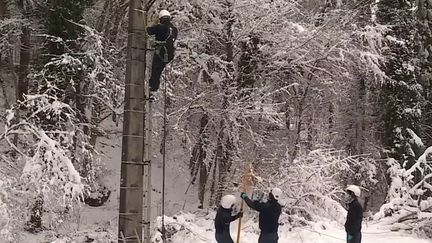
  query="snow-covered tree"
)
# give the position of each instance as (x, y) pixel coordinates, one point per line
(71, 90)
(423, 40)
(262, 79)
(409, 198)
(401, 95)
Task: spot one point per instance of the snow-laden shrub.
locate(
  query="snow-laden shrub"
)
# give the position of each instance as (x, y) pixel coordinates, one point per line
(314, 183)
(410, 189)
(5, 214)
(48, 170)
(52, 132)
(11, 213)
(424, 228)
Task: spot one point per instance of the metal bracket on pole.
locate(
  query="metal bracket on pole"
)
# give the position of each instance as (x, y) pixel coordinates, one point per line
(127, 214)
(132, 136)
(135, 111)
(147, 162)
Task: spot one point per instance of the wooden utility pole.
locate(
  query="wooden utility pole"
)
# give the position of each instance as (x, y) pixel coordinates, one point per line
(133, 164)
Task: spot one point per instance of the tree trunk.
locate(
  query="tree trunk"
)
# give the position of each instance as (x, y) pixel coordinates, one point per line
(102, 18)
(80, 105)
(424, 67)
(24, 61)
(287, 115)
(331, 118)
(202, 184)
(197, 164)
(3, 9)
(22, 87)
(213, 183)
(360, 117)
(113, 25)
(35, 223)
(301, 107)
(222, 161)
(3, 12)
(310, 132)
(4, 91)
(224, 145)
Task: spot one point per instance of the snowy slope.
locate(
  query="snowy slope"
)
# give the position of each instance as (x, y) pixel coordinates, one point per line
(176, 183)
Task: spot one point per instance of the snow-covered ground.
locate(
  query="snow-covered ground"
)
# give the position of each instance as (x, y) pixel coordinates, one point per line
(199, 229)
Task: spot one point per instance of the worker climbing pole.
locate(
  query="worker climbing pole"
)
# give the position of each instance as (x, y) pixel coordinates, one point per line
(165, 36)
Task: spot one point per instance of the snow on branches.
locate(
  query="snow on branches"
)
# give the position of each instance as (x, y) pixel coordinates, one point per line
(11, 213)
(9, 33)
(313, 184)
(410, 191)
(48, 132)
(52, 131)
(262, 77)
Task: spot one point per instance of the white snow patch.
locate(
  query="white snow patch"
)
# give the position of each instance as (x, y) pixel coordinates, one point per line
(199, 229)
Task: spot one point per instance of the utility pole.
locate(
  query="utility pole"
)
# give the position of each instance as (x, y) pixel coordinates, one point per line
(133, 164)
(147, 153)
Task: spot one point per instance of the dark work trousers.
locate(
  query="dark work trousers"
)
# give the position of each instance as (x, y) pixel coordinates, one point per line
(356, 238)
(224, 237)
(268, 238)
(157, 68)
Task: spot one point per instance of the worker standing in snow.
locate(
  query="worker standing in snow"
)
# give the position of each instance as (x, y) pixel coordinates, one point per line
(165, 34)
(224, 218)
(269, 213)
(354, 219)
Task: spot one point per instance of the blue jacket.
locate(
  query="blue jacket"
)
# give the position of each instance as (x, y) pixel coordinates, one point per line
(167, 33)
(269, 214)
(223, 220)
(354, 219)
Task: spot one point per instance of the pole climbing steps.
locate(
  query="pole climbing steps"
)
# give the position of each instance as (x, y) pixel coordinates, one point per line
(148, 130)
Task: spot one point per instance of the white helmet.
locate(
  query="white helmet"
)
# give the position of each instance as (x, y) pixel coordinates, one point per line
(277, 193)
(164, 13)
(355, 189)
(228, 201)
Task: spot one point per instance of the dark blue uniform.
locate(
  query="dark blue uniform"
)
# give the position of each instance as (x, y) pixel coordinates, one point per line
(164, 53)
(269, 214)
(353, 222)
(222, 225)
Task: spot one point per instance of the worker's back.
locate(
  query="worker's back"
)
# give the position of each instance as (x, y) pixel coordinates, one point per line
(166, 33)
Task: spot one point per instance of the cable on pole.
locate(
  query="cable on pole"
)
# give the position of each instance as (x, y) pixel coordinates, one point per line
(164, 160)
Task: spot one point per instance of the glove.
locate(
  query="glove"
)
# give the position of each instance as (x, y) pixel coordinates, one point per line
(350, 237)
(154, 20)
(243, 195)
(240, 214)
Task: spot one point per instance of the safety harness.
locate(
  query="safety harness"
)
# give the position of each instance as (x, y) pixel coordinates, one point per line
(160, 47)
